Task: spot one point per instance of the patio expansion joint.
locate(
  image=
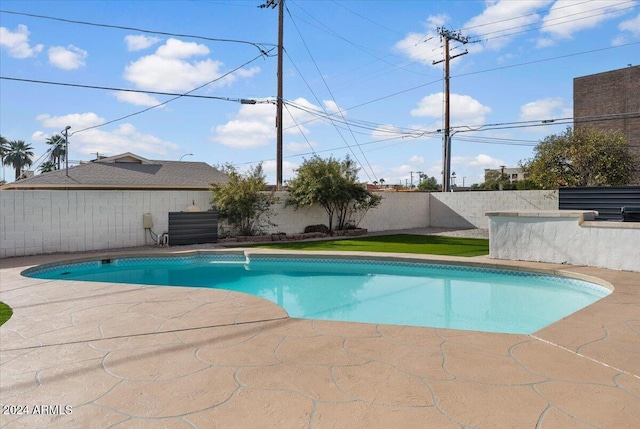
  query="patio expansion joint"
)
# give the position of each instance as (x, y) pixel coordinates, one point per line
(586, 357)
(115, 337)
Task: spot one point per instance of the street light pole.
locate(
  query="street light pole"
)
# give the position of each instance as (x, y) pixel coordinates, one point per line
(66, 149)
(186, 154)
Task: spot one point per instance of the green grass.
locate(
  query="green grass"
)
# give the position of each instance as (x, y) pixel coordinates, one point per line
(5, 313)
(399, 243)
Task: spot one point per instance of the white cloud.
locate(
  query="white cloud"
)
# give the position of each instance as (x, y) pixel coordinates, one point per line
(139, 42)
(123, 139)
(479, 161)
(567, 17)
(332, 107)
(383, 132)
(424, 47)
(546, 108)
(297, 147)
(136, 98)
(175, 48)
(254, 125)
(465, 110)
(171, 68)
(415, 159)
(244, 134)
(75, 120)
(17, 42)
(288, 170)
(402, 170)
(39, 136)
(69, 58)
(497, 23)
(632, 25)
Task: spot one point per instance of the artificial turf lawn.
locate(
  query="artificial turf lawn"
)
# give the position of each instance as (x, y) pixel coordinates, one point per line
(5, 313)
(399, 243)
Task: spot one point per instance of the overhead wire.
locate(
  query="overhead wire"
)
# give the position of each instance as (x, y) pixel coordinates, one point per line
(259, 46)
(171, 99)
(326, 114)
(109, 88)
(563, 21)
(299, 128)
(336, 103)
(482, 128)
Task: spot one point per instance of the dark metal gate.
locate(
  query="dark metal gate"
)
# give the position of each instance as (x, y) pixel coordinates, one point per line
(607, 201)
(193, 227)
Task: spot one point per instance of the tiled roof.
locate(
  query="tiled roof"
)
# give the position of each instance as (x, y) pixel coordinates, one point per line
(127, 171)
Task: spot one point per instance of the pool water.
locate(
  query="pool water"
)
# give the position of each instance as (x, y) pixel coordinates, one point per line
(361, 290)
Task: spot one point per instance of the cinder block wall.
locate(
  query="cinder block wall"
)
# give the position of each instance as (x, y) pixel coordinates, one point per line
(37, 222)
(398, 210)
(564, 239)
(467, 209)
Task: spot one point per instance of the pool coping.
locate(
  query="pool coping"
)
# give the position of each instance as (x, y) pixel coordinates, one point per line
(559, 375)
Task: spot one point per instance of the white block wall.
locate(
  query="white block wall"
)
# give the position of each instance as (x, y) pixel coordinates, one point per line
(467, 209)
(564, 238)
(36, 222)
(398, 210)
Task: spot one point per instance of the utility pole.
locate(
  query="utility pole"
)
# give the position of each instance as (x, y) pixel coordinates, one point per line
(411, 172)
(272, 4)
(446, 142)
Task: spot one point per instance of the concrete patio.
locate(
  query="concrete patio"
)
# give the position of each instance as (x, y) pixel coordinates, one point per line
(125, 356)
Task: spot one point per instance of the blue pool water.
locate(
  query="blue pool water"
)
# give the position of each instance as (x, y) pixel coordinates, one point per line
(373, 291)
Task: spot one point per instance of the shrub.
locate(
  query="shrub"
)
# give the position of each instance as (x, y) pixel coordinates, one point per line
(317, 228)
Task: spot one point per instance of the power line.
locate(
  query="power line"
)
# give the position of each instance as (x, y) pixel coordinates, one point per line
(563, 18)
(242, 101)
(175, 96)
(259, 46)
(340, 113)
(108, 88)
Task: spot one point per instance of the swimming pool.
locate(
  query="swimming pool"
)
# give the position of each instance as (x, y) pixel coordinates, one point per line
(359, 290)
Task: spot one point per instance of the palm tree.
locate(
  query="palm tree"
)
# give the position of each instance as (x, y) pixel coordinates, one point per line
(47, 166)
(57, 149)
(4, 148)
(19, 155)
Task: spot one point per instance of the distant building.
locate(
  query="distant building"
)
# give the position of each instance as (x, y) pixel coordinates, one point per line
(610, 101)
(126, 171)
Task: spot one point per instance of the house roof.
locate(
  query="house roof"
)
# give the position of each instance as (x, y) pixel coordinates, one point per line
(127, 171)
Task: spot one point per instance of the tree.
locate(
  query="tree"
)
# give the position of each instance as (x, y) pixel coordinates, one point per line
(4, 146)
(58, 151)
(428, 183)
(47, 167)
(583, 157)
(18, 156)
(333, 185)
(242, 202)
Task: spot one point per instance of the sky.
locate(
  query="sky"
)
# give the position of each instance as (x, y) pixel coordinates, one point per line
(361, 78)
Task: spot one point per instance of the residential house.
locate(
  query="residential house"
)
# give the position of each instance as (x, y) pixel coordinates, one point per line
(125, 171)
